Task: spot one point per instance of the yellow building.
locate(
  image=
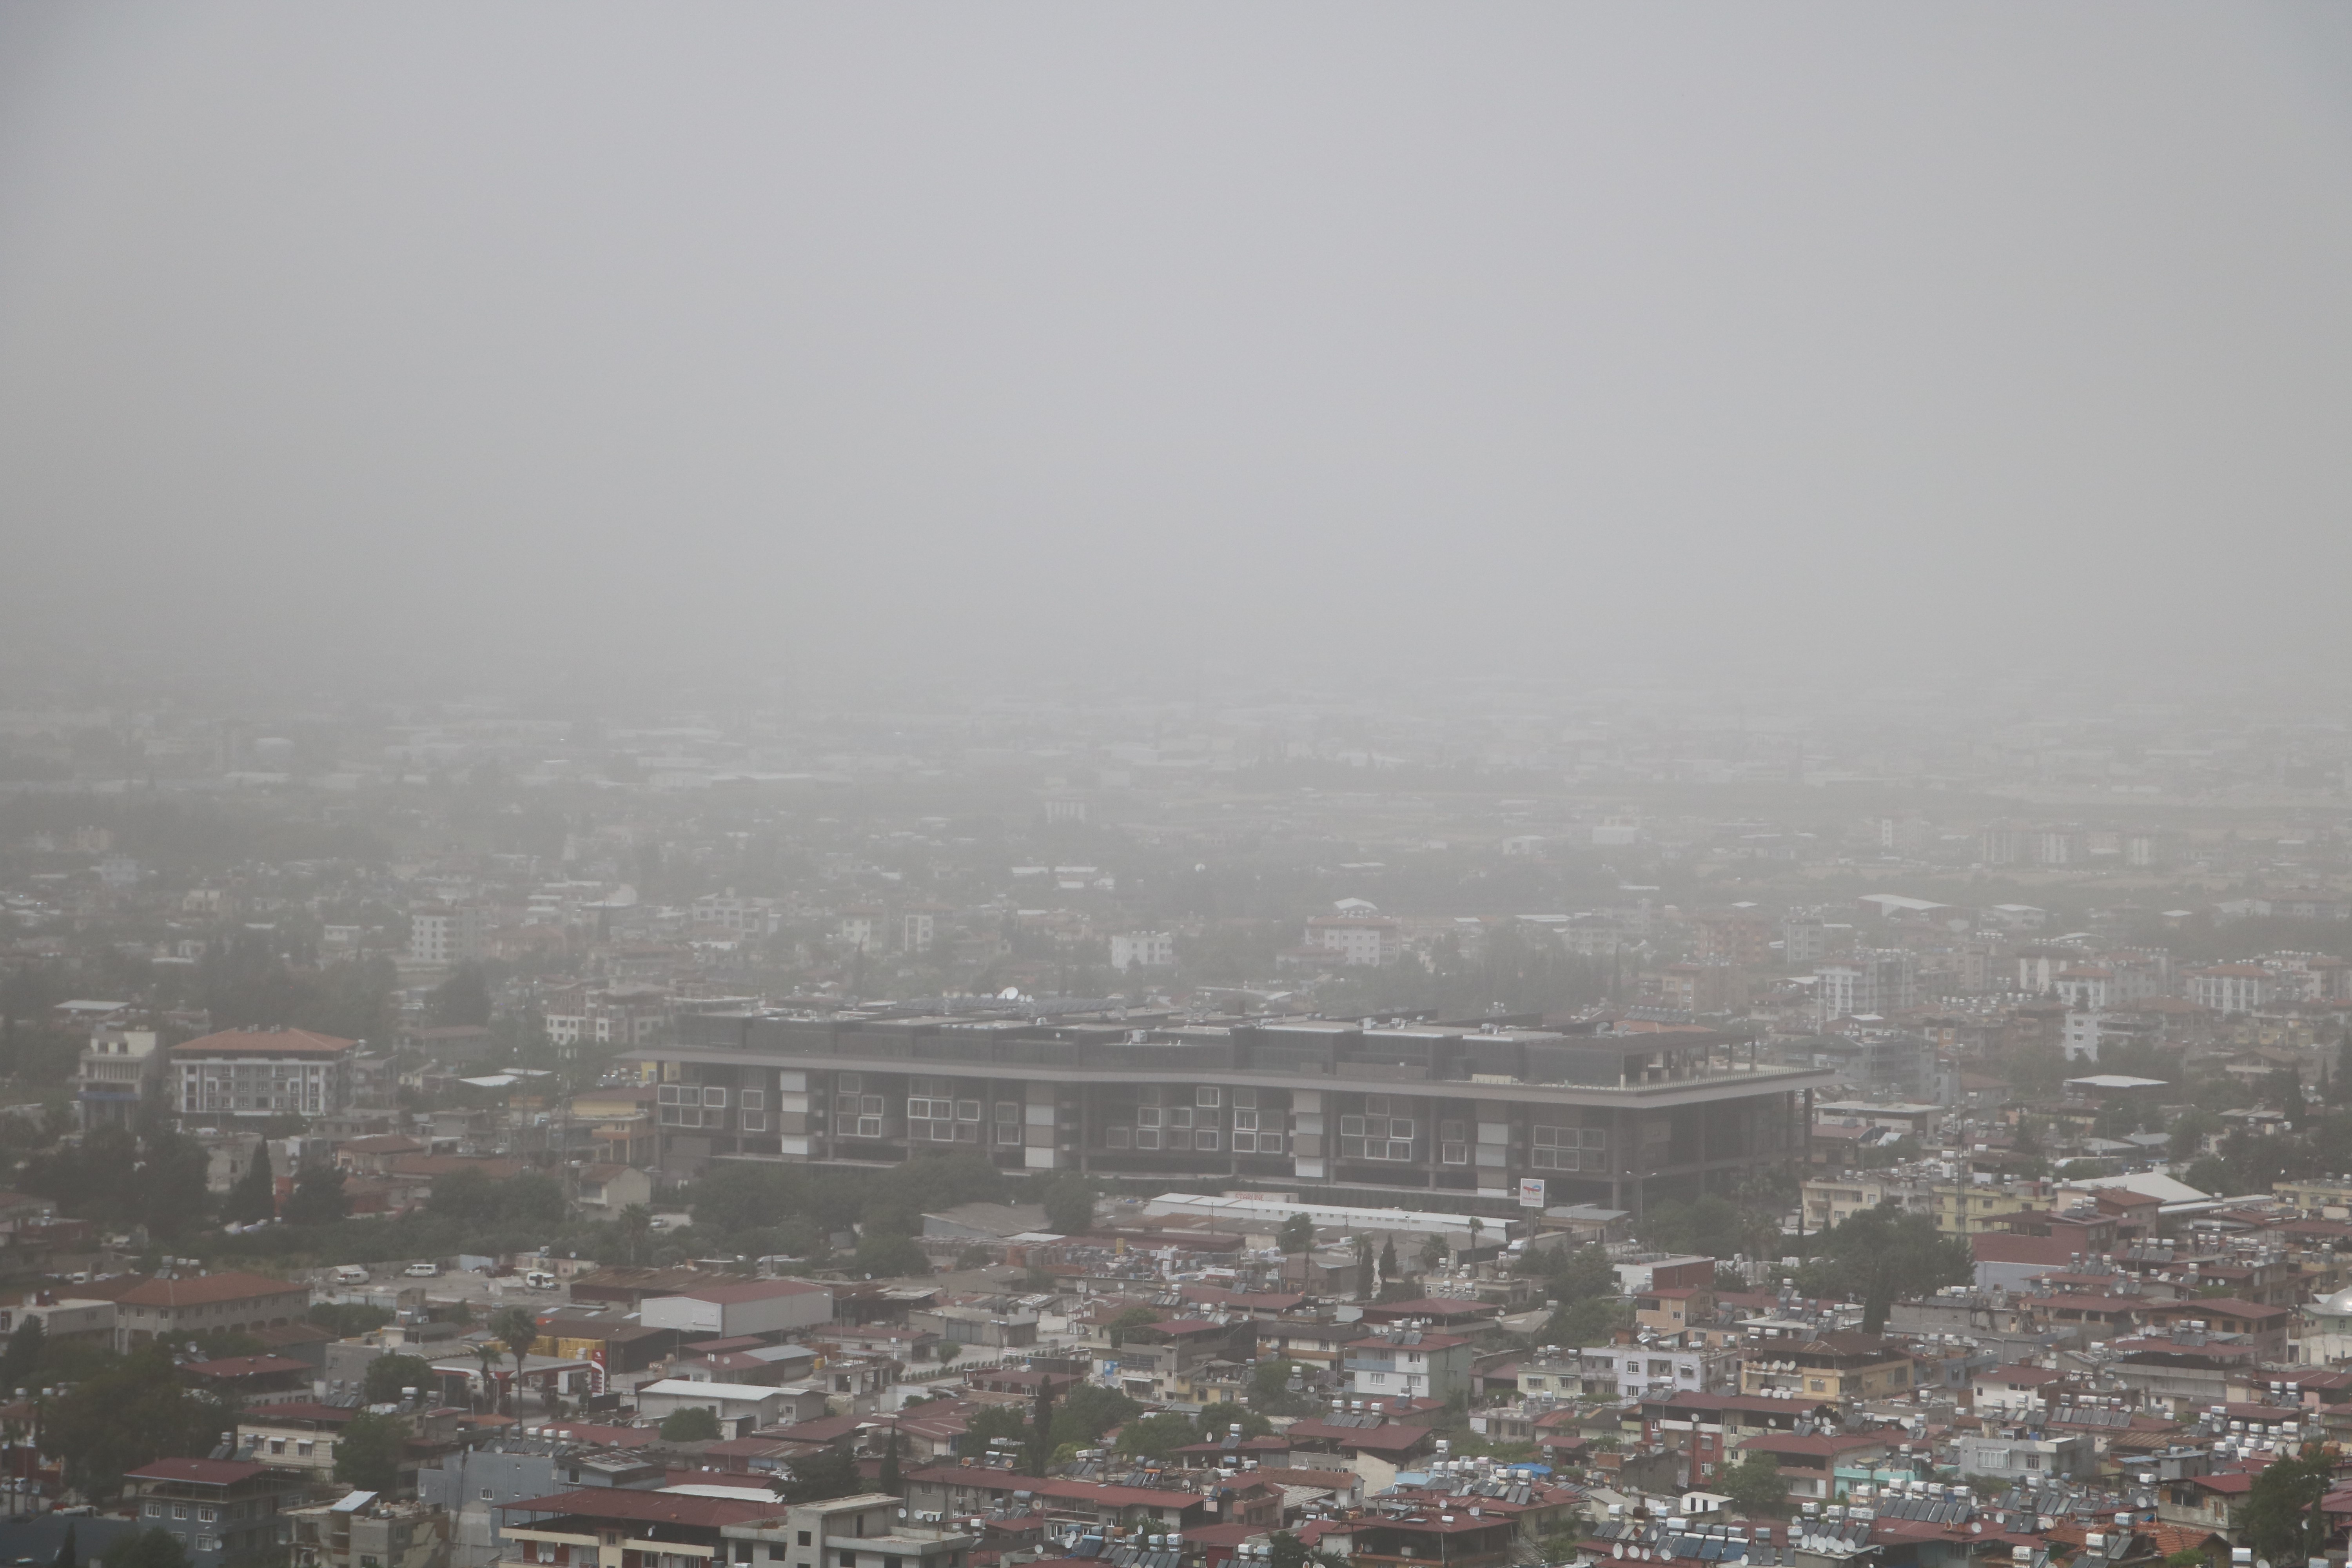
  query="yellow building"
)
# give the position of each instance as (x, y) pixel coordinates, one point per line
(1964, 1210)
(2317, 1195)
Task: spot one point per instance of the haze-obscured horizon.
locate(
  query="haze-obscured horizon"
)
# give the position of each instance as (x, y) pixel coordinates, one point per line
(1307, 343)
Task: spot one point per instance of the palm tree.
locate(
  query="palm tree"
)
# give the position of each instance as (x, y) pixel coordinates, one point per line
(635, 1223)
(487, 1352)
(518, 1329)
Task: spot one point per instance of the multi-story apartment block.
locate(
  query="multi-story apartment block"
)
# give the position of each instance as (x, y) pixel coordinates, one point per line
(262, 1072)
(1742, 936)
(1382, 1106)
(746, 917)
(215, 1509)
(115, 1070)
(1367, 940)
(1143, 949)
(582, 1015)
(1877, 983)
(2229, 988)
(447, 933)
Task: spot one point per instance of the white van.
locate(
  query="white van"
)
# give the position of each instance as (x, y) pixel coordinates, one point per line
(350, 1274)
(422, 1271)
(540, 1280)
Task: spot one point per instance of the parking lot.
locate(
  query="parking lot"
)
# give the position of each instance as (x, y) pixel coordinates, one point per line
(450, 1285)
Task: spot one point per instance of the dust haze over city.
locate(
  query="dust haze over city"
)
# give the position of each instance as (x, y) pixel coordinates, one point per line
(1465, 735)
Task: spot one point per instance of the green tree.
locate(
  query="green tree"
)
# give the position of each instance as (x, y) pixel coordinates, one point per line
(1433, 1252)
(253, 1197)
(1365, 1284)
(1297, 1239)
(1284, 1550)
(463, 998)
(1155, 1436)
(516, 1328)
(23, 1354)
(690, 1424)
(1270, 1388)
(1754, 1485)
(1041, 1428)
(986, 1427)
(318, 1197)
(634, 1228)
(132, 1412)
(820, 1477)
(1069, 1200)
(2283, 1521)
(1882, 1255)
(388, 1374)
(367, 1454)
(1592, 1320)
(156, 1548)
(890, 1256)
(1388, 1259)
(890, 1480)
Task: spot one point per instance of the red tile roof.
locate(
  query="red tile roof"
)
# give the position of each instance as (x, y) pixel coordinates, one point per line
(202, 1472)
(206, 1290)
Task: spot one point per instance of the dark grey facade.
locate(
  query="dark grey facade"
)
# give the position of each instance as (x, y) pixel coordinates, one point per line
(1386, 1108)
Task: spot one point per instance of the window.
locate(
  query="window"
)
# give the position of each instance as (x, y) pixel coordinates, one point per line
(277, 1445)
(869, 1105)
(179, 1510)
(755, 1121)
(1147, 1137)
(803, 1538)
(1179, 1138)
(1246, 1099)
(1147, 1116)
(755, 1099)
(1207, 1096)
(714, 1096)
(869, 1127)
(1454, 1153)
(1206, 1138)
(1008, 1110)
(487, 1494)
(1117, 1137)
(207, 1515)
(1181, 1116)
(1244, 1120)
(154, 1508)
(1352, 1127)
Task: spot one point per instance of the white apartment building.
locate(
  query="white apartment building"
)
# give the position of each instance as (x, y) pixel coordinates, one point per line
(580, 1015)
(1884, 981)
(446, 934)
(745, 917)
(1143, 949)
(2229, 988)
(262, 1072)
(111, 1075)
(1369, 940)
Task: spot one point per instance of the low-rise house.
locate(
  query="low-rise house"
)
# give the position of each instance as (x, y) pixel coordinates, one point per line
(174, 1308)
(1809, 1460)
(362, 1531)
(606, 1188)
(870, 1530)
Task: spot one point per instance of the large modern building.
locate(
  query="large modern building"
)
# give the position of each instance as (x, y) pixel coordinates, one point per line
(1387, 1107)
(262, 1072)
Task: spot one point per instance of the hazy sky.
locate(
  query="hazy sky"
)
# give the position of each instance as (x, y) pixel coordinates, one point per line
(1010, 338)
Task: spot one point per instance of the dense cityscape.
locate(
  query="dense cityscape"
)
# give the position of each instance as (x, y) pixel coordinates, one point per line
(1007, 1132)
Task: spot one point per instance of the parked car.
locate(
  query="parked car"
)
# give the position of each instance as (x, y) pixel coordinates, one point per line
(422, 1271)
